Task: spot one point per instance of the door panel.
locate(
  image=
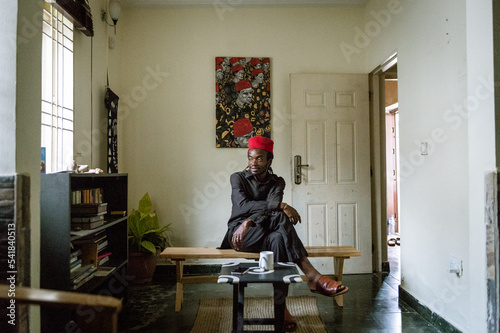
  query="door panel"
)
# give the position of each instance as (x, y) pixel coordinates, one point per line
(346, 153)
(316, 152)
(347, 213)
(330, 131)
(317, 232)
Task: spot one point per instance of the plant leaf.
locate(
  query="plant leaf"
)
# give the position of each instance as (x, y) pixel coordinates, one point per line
(149, 246)
(145, 233)
(145, 204)
(133, 220)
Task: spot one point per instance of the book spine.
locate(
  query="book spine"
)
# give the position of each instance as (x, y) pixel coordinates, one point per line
(82, 282)
(87, 196)
(75, 264)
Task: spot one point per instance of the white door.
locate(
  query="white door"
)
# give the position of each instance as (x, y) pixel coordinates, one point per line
(330, 131)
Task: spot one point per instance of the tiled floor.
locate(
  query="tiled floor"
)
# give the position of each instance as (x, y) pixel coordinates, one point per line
(371, 305)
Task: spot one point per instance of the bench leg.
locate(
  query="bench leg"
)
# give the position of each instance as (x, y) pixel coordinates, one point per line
(179, 293)
(338, 267)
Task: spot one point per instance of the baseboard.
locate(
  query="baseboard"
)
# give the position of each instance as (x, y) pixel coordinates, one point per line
(426, 313)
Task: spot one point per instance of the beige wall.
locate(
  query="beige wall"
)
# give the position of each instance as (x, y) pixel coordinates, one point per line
(91, 62)
(163, 71)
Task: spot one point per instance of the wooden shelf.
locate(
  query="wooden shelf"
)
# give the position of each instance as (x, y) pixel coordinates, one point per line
(57, 238)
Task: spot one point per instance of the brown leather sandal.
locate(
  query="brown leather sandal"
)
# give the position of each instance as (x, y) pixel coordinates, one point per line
(329, 287)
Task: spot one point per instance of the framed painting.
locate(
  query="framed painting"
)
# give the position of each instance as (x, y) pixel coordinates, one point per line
(242, 100)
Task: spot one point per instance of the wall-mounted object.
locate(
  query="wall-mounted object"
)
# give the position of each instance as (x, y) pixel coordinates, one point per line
(242, 100)
(114, 10)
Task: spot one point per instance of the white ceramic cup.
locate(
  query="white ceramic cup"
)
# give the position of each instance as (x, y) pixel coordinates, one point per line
(266, 260)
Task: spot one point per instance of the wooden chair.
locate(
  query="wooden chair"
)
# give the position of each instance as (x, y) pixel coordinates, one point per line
(105, 318)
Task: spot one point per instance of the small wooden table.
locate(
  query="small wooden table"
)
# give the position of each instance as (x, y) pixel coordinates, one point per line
(281, 276)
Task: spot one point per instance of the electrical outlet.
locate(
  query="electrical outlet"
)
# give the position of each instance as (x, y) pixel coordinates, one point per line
(455, 265)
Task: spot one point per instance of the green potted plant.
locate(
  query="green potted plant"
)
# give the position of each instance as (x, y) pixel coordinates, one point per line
(146, 240)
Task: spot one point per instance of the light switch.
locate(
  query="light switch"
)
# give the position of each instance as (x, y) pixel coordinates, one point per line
(424, 148)
(455, 265)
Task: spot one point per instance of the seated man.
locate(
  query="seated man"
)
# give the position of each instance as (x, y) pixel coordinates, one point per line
(261, 221)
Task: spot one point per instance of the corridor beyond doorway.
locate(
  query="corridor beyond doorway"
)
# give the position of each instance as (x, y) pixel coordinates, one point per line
(393, 256)
(391, 103)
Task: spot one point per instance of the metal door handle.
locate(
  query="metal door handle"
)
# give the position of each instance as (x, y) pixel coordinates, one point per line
(298, 169)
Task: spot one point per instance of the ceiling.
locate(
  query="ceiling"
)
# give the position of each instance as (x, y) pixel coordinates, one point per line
(235, 3)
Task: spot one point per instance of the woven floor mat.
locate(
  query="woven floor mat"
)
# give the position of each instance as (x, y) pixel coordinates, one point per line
(215, 314)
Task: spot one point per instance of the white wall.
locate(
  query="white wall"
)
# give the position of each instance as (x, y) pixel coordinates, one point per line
(28, 120)
(164, 59)
(442, 194)
(8, 23)
(481, 127)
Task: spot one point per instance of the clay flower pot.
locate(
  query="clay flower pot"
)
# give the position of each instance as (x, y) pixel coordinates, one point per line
(141, 267)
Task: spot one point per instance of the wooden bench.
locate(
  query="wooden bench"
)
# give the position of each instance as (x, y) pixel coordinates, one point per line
(180, 254)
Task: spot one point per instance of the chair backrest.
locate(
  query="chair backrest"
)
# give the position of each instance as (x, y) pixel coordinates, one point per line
(105, 308)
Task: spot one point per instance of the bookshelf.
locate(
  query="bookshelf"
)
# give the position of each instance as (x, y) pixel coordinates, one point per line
(64, 246)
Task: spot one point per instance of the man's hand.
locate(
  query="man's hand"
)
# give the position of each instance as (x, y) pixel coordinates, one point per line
(240, 233)
(291, 213)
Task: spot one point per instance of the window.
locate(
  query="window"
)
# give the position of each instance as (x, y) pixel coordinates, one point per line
(57, 90)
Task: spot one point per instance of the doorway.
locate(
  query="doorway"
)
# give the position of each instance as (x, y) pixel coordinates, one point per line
(384, 146)
(392, 169)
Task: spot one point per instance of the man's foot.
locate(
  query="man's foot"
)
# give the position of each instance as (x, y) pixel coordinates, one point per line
(289, 323)
(328, 287)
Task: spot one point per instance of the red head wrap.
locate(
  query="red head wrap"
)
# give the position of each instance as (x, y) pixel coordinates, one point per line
(254, 61)
(260, 142)
(257, 71)
(236, 68)
(243, 84)
(242, 126)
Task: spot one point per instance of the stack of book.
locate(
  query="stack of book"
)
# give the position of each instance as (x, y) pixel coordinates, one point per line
(75, 261)
(88, 216)
(94, 248)
(103, 256)
(82, 275)
(79, 272)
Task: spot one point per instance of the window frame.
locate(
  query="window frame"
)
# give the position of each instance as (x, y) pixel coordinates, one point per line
(57, 102)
